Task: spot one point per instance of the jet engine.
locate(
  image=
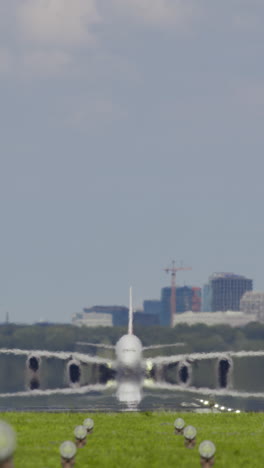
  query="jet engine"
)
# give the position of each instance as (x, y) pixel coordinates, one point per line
(74, 373)
(184, 373)
(224, 371)
(33, 364)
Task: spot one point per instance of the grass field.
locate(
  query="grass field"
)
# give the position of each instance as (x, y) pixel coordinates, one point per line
(138, 439)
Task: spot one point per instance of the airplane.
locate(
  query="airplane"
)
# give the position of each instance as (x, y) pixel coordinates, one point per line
(42, 372)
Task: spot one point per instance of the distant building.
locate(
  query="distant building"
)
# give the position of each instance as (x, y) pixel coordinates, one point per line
(196, 299)
(106, 316)
(187, 298)
(227, 290)
(93, 319)
(165, 315)
(152, 307)
(252, 302)
(231, 318)
(207, 298)
(145, 320)
(119, 313)
(117, 316)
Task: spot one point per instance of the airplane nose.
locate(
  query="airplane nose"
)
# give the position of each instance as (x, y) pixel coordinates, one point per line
(128, 361)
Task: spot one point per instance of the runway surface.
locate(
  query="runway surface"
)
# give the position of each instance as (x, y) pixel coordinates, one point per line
(106, 401)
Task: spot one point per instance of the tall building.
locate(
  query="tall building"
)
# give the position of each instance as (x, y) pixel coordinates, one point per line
(165, 314)
(187, 298)
(227, 290)
(207, 298)
(196, 299)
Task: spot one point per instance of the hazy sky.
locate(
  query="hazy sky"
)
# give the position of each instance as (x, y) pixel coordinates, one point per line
(131, 133)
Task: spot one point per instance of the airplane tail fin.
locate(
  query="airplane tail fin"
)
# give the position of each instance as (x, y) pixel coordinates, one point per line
(130, 314)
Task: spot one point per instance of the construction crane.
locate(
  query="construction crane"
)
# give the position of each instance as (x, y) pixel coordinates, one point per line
(173, 270)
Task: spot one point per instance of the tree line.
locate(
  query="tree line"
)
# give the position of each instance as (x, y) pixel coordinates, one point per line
(195, 338)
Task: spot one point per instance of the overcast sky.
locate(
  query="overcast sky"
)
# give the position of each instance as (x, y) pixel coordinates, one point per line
(131, 133)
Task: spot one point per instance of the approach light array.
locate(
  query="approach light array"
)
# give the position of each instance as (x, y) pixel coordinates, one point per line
(68, 450)
(88, 424)
(179, 425)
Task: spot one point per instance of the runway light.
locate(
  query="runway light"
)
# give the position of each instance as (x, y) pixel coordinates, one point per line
(68, 451)
(190, 436)
(207, 452)
(216, 405)
(206, 402)
(179, 426)
(7, 442)
(237, 411)
(80, 433)
(229, 409)
(89, 425)
(222, 408)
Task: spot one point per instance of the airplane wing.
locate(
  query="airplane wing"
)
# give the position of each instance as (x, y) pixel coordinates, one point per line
(191, 357)
(95, 345)
(163, 346)
(84, 358)
(41, 370)
(238, 371)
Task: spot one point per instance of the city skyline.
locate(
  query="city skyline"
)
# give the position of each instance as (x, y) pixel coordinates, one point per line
(131, 134)
(188, 297)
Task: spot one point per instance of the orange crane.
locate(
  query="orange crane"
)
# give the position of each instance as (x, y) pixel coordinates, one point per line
(173, 270)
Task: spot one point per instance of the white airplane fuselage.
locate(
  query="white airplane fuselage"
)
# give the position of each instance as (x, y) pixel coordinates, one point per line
(129, 354)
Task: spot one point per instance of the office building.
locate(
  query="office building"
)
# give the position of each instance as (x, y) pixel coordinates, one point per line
(142, 319)
(187, 298)
(207, 298)
(227, 290)
(152, 307)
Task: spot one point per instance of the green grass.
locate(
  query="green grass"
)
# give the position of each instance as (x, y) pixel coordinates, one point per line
(138, 439)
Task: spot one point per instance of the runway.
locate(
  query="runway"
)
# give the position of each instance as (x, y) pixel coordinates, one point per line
(104, 400)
